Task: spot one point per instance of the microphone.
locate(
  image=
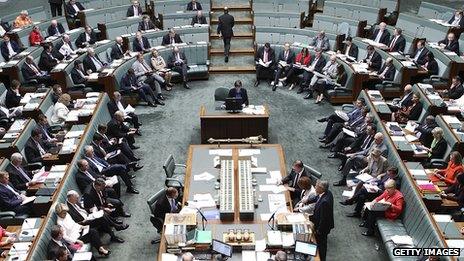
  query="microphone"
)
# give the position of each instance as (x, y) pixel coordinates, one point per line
(273, 215)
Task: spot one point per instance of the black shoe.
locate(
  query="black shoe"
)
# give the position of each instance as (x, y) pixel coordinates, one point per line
(136, 159)
(226, 59)
(161, 97)
(353, 214)
(322, 120)
(346, 202)
(339, 183)
(122, 227)
(308, 96)
(186, 86)
(325, 146)
(332, 156)
(138, 133)
(367, 234)
(134, 147)
(151, 104)
(323, 140)
(131, 190)
(362, 224)
(300, 90)
(118, 221)
(159, 102)
(137, 168)
(117, 239)
(132, 176)
(274, 88)
(126, 214)
(256, 83)
(169, 85)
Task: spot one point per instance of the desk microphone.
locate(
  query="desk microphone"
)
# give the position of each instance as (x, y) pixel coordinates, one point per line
(273, 215)
(446, 226)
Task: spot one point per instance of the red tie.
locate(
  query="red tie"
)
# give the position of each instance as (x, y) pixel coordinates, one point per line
(393, 43)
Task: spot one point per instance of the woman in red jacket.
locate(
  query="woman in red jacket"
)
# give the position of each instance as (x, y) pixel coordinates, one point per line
(392, 197)
(35, 37)
(449, 174)
(302, 60)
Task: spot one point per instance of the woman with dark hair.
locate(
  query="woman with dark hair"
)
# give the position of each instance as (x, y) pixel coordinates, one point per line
(411, 113)
(308, 192)
(323, 85)
(456, 193)
(449, 174)
(302, 60)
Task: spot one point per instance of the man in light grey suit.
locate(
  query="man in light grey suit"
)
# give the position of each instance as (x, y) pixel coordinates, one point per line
(145, 73)
(321, 41)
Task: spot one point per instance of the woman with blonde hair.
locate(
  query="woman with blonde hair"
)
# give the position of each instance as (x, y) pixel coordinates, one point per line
(60, 109)
(159, 65)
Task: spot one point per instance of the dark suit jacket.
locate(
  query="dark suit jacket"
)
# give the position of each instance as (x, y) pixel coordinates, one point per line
(150, 25)
(83, 181)
(167, 39)
(190, 6)
(130, 11)
(453, 45)
(400, 44)
(56, 50)
(70, 10)
(8, 200)
(162, 207)
(359, 141)
(426, 136)
(421, 59)
(243, 91)
(415, 112)
(225, 25)
(376, 61)
(97, 150)
(76, 77)
(199, 20)
(456, 92)
(407, 101)
(172, 59)
(353, 50)
(53, 250)
(28, 73)
(81, 39)
(92, 199)
(260, 55)
(137, 47)
(32, 151)
(116, 130)
(439, 150)
(461, 22)
(12, 99)
(74, 213)
(126, 84)
(5, 52)
(390, 74)
(385, 38)
(89, 65)
(16, 178)
(290, 57)
(46, 62)
(116, 52)
(289, 180)
(323, 214)
(320, 63)
(112, 107)
(52, 30)
(432, 67)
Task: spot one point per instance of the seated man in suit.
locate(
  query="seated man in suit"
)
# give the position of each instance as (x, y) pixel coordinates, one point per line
(291, 180)
(101, 166)
(31, 72)
(316, 65)
(193, 5)
(239, 93)
(140, 43)
(424, 131)
(85, 176)
(456, 89)
(112, 144)
(450, 43)
(88, 37)
(320, 41)
(397, 43)
(35, 149)
(171, 38)
(55, 28)
(330, 70)
(178, 63)
(344, 143)
(117, 104)
(381, 34)
(10, 198)
(114, 157)
(284, 63)
(92, 62)
(457, 20)
(404, 101)
(146, 74)
(49, 138)
(47, 62)
(117, 129)
(56, 92)
(19, 177)
(9, 48)
(266, 56)
(420, 53)
(349, 48)
(337, 128)
(79, 75)
(58, 245)
(167, 204)
(199, 18)
(96, 196)
(386, 73)
(13, 97)
(135, 9)
(373, 59)
(146, 24)
(63, 49)
(130, 84)
(117, 50)
(73, 7)
(81, 215)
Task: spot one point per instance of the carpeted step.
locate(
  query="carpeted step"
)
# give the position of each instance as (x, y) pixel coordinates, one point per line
(240, 35)
(233, 51)
(234, 43)
(234, 69)
(243, 59)
(237, 14)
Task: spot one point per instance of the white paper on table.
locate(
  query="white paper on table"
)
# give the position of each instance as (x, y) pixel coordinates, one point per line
(203, 176)
(11, 135)
(277, 202)
(398, 138)
(28, 233)
(248, 255)
(21, 246)
(288, 239)
(29, 223)
(265, 216)
(60, 66)
(262, 170)
(268, 188)
(295, 218)
(411, 138)
(418, 172)
(451, 119)
(73, 134)
(93, 76)
(272, 181)
(73, 115)
(455, 243)
(55, 175)
(31, 106)
(279, 189)
(260, 245)
(40, 176)
(168, 257)
(410, 126)
(248, 152)
(81, 256)
(275, 174)
(221, 152)
(402, 240)
(28, 199)
(442, 218)
(364, 177)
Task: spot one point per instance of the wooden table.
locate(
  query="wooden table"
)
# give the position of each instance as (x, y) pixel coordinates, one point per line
(219, 124)
(199, 160)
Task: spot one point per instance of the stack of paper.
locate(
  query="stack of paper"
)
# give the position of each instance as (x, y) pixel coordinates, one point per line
(205, 176)
(74, 134)
(402, 240)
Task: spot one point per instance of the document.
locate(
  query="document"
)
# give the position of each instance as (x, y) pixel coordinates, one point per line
(402, 240)
(364, 177)
(221, 152)
(112, 154)
(288, 239)
(376, 206)
(81, 256)
(442, 218)
(277, 203)
(95, 215)
(11, 135)
(129, 109)
(371, 188)
(28, 199)
(261, 170)
(275, 174)
(40, 176)
(348, 193)
(73, 134)
(411, 138)
(262, 63)
(342, 115)
(248, 152)
(111, 181)
(206, 176)
(265, 216)
(295, 218)
(349, 132)
(418, 172)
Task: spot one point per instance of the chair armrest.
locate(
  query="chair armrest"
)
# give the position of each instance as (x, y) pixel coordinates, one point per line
(179, 183)
(180, 165)
(7, 214)
(33, 81)
(34, 166)
(389, 82)
(80, 85)
(438, 163)
(347, 107)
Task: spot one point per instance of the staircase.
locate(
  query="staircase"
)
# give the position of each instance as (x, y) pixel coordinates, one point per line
(241, 57)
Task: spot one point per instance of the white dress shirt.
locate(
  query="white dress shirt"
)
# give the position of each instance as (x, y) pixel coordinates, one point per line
(72, 230)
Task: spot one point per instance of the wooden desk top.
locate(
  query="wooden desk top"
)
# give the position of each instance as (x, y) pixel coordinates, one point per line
(204, 113)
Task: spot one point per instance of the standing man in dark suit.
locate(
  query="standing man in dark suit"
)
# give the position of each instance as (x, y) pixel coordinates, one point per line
(284, 63)
(56, 7)
(35, 148)
(291, 180)
(265, 55)
(323, 216)
(146, 24)
(450, 43)
(199, 18)
(47, 62)
(9, 48)
(349, 48)
(420, 53)
(397, 43)
(10, 198)
(55, 28)
(134, 9)
(193, 5)
(381, 35)
(225, 30)
(19, 177)
(239, 93)
(178, 63)
(373, 59)
(171, 38)
(167, 204)
(140, 43)
(86, 38)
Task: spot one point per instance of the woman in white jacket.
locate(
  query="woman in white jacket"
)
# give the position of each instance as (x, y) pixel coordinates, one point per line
(60, 109)
(308, 192)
